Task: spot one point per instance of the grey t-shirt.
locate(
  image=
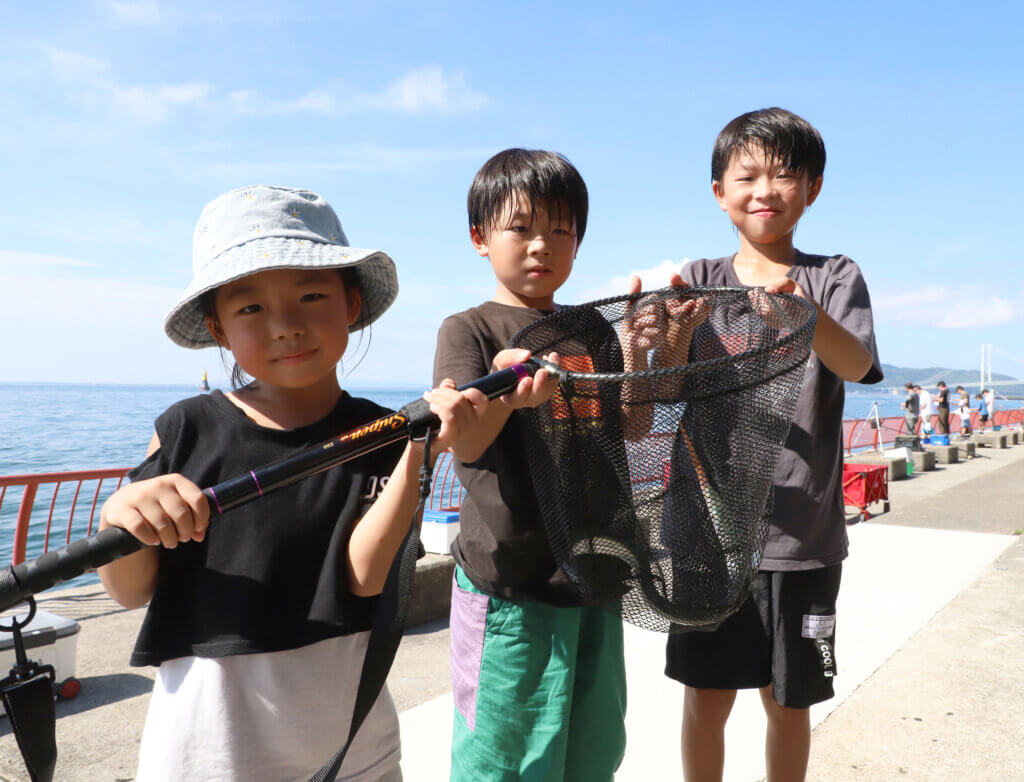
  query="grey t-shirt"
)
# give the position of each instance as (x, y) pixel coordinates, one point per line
(501, 546)
(809, 525)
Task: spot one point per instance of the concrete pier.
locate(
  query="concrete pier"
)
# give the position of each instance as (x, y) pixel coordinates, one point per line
(931, 636)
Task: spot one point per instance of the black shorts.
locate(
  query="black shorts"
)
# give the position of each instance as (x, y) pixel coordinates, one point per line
(783, 635)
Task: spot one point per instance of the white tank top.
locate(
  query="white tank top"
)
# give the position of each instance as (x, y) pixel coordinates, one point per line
(272, 716)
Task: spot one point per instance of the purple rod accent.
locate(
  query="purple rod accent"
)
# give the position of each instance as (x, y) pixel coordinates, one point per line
(215, 500)
(520, 370)
(257, 482)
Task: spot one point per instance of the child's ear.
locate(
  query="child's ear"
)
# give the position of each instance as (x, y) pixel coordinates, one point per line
(213, 326)
(813, 189)
(479, 241)
(719, 191)
(354, 300)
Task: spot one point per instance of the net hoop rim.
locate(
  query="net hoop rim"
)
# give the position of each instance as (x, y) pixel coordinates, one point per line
(679, 369)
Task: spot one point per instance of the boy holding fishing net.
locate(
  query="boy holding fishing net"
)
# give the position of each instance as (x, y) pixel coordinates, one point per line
(766, 171)
(537, 676)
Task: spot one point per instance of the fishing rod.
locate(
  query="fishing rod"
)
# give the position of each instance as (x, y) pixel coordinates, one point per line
(19, 582)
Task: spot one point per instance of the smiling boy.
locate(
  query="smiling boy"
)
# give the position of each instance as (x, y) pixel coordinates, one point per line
(538, 678)
(766, 170)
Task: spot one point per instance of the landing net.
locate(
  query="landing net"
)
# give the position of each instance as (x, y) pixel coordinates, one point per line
(655, 484)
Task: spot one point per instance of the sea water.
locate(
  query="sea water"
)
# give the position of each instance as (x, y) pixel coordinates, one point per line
(60, 427)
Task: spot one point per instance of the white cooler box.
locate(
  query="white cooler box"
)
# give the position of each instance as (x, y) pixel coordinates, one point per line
(439, 529)
(60, 652)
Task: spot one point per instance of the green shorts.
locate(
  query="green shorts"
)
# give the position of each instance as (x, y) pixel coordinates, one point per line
(540, 691)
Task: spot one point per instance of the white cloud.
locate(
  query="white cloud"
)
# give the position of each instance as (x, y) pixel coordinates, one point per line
(136, 11)
(652, 277)
(149, 103)
(428, 90)
(947, 307)
(154, 103)
(11, 262)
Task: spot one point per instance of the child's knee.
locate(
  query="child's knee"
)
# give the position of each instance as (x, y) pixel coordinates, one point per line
(708, 704)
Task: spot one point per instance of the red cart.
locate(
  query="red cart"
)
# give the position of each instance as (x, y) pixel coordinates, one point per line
(864, 484)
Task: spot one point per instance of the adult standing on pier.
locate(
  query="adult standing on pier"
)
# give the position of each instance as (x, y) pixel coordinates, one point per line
(912, 404)
(942, 405)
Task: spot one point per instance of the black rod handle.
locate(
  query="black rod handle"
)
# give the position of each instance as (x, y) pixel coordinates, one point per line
(31, 577)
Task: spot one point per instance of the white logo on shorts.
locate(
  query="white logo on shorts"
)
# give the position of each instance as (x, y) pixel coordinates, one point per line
(817, 626)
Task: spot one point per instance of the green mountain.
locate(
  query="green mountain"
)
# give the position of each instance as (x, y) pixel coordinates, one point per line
(898, 376)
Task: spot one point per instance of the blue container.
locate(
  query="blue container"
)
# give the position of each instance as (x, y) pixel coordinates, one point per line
(441, 516)
(940, 439)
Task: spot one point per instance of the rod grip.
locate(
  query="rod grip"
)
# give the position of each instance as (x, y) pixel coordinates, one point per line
(492, 386)
(34, 576)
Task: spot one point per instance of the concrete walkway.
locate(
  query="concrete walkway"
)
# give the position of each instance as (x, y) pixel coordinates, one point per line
(929, 649)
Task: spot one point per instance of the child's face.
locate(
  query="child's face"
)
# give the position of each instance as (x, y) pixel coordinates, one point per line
(763, 199)
(531, 252)
(286, 327)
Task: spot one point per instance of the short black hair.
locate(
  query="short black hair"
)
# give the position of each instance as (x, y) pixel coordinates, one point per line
(782, 135)
(537, 174)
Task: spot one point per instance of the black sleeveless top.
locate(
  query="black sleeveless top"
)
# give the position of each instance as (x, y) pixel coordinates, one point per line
(269, 575)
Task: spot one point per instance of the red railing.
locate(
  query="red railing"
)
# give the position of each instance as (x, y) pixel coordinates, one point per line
(859, 434)
(30, 485)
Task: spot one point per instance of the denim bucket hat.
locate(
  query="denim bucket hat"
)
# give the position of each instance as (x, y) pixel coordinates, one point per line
(253, 229)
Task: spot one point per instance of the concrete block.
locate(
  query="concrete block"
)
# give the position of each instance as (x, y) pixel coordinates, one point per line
(944, 454)
(923, 460)
(990, 439)
(432, 589)
(966, 447)
(897, 465)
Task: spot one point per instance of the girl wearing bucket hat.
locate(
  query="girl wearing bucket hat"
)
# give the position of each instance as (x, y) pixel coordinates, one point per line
(266, 605)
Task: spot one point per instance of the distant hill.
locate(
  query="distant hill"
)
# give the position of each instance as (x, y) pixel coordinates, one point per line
(898, 376)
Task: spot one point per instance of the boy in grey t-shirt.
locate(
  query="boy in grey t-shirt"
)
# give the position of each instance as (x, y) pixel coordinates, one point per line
(766, 169)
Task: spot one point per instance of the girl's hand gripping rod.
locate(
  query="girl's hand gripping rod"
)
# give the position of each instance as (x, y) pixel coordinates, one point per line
(19, 582)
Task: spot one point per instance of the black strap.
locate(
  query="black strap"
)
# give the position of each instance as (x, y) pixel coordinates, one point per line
(29, 705)
(388, 625)
(27, 695)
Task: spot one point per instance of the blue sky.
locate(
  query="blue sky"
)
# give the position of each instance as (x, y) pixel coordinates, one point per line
(121, 119)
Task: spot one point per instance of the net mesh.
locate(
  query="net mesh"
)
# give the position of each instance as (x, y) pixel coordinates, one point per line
(655, 483)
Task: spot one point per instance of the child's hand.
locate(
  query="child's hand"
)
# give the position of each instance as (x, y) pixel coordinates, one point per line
(163, 511)
(531, 391)
(459, 411)
(666, 326)
(785, 285)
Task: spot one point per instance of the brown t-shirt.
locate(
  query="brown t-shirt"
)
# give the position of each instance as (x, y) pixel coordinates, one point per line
(501, 544)
(808, 523)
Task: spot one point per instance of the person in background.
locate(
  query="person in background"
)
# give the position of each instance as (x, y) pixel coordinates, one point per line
(990, 400)
(982, 410)
(942, 406)
(925, 409)
(912, 404)
(963, 402)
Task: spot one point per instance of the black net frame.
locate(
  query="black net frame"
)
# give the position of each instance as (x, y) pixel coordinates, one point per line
(655, 484)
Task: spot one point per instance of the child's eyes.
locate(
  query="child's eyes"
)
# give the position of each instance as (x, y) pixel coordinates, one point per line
(250, 309)
(312, 297)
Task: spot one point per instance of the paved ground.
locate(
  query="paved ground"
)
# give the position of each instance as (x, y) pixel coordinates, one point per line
(931, 635)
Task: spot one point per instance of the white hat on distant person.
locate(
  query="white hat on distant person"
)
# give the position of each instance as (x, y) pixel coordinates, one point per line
(262, 227)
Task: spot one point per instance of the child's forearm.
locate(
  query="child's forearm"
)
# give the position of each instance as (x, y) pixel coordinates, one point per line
(840, 350)
(377, 535)
(131, 580)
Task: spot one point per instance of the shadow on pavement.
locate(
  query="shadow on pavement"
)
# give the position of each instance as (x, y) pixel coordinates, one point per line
(97, 691)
